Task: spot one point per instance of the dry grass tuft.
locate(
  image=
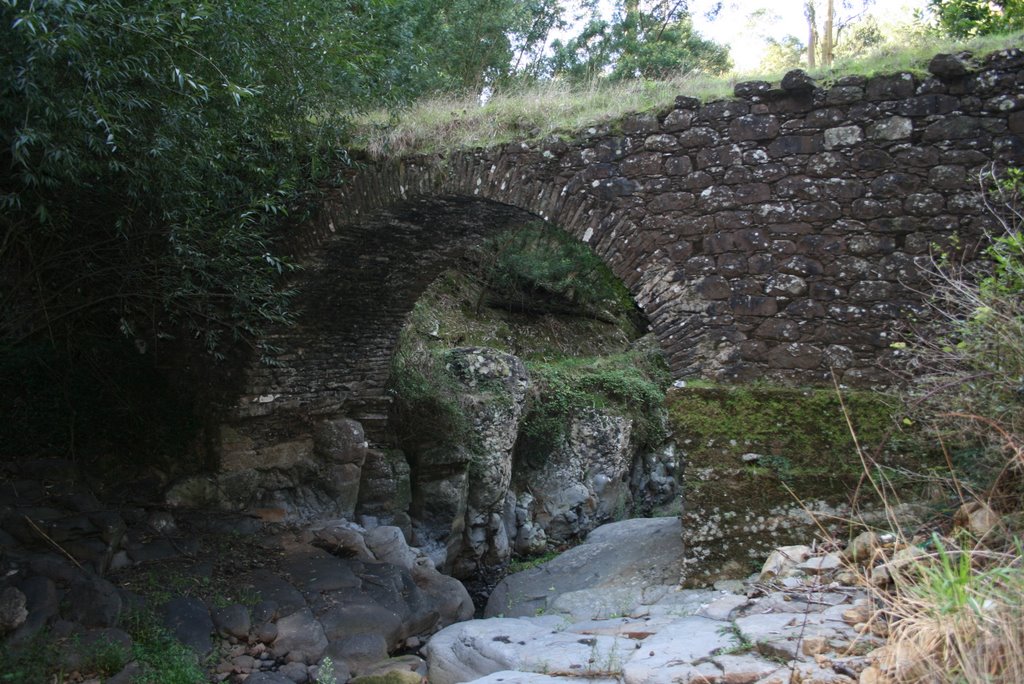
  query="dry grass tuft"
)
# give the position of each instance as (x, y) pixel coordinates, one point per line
(556, 108)
(955, 615)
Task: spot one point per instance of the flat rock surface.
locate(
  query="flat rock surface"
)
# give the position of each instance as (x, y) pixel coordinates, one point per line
(609, 611)
(619, 566)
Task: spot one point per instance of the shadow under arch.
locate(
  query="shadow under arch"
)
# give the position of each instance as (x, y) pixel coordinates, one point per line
(363, 270)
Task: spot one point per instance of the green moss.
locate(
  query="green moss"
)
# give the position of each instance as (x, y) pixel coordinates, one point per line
(785, 422)
(631, 384)
(426, 411)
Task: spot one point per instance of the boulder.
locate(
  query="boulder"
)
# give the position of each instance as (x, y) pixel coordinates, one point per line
(189, 621)
(619, 567)
(300, 638)
(585, 481)
(797, 81)
(310, 476)
(12, 610)
(232, 620)
(450, 598)
(387, 543)
(469, 650)
(94, 602)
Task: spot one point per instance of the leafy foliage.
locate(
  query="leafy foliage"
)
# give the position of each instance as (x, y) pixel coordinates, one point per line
(98, 398)
(154, 155)
(966, 18)
(149, 151)
(639, 44)
(467, 45)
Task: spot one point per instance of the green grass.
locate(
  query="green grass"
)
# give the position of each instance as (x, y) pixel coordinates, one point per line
(31, 663)
(38, 661)
(522, 564)
(559, 109)
(162, 658)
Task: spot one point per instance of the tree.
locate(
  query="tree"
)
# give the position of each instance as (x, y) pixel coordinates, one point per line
(966, 18)
(821, 44)
(783, 53)
(154, 155)
(639, 43)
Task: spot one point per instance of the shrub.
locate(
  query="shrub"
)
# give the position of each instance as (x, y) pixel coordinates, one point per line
(973, 365)
(632, 384)
(955, 612)
(540, 268)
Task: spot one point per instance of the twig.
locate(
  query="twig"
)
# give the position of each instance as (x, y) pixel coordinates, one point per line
(55, 544)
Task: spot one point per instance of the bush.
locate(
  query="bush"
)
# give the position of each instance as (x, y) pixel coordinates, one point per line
(973, 365)
(538, 268)
(955, 613)
(631, 384)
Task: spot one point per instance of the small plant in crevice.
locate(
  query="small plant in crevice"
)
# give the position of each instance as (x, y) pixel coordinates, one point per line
(523, 564)
(742, 644)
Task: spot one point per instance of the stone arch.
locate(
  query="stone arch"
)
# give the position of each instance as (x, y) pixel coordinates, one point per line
(379, 242)
(386, 233)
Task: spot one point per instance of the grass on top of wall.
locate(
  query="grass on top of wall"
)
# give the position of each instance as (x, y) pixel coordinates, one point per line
(557, 108)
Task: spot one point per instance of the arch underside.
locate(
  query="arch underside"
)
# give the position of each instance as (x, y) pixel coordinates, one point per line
(357, 288)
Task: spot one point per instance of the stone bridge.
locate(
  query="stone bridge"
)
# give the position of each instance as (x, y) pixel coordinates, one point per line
(778, 235)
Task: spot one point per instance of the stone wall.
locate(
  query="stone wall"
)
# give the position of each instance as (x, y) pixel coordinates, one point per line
(776, 236)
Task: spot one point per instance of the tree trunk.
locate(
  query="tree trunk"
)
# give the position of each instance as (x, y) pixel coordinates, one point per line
(812, 34)
(828, 42)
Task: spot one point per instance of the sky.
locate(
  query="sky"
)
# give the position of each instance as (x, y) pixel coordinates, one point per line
(732, 26)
